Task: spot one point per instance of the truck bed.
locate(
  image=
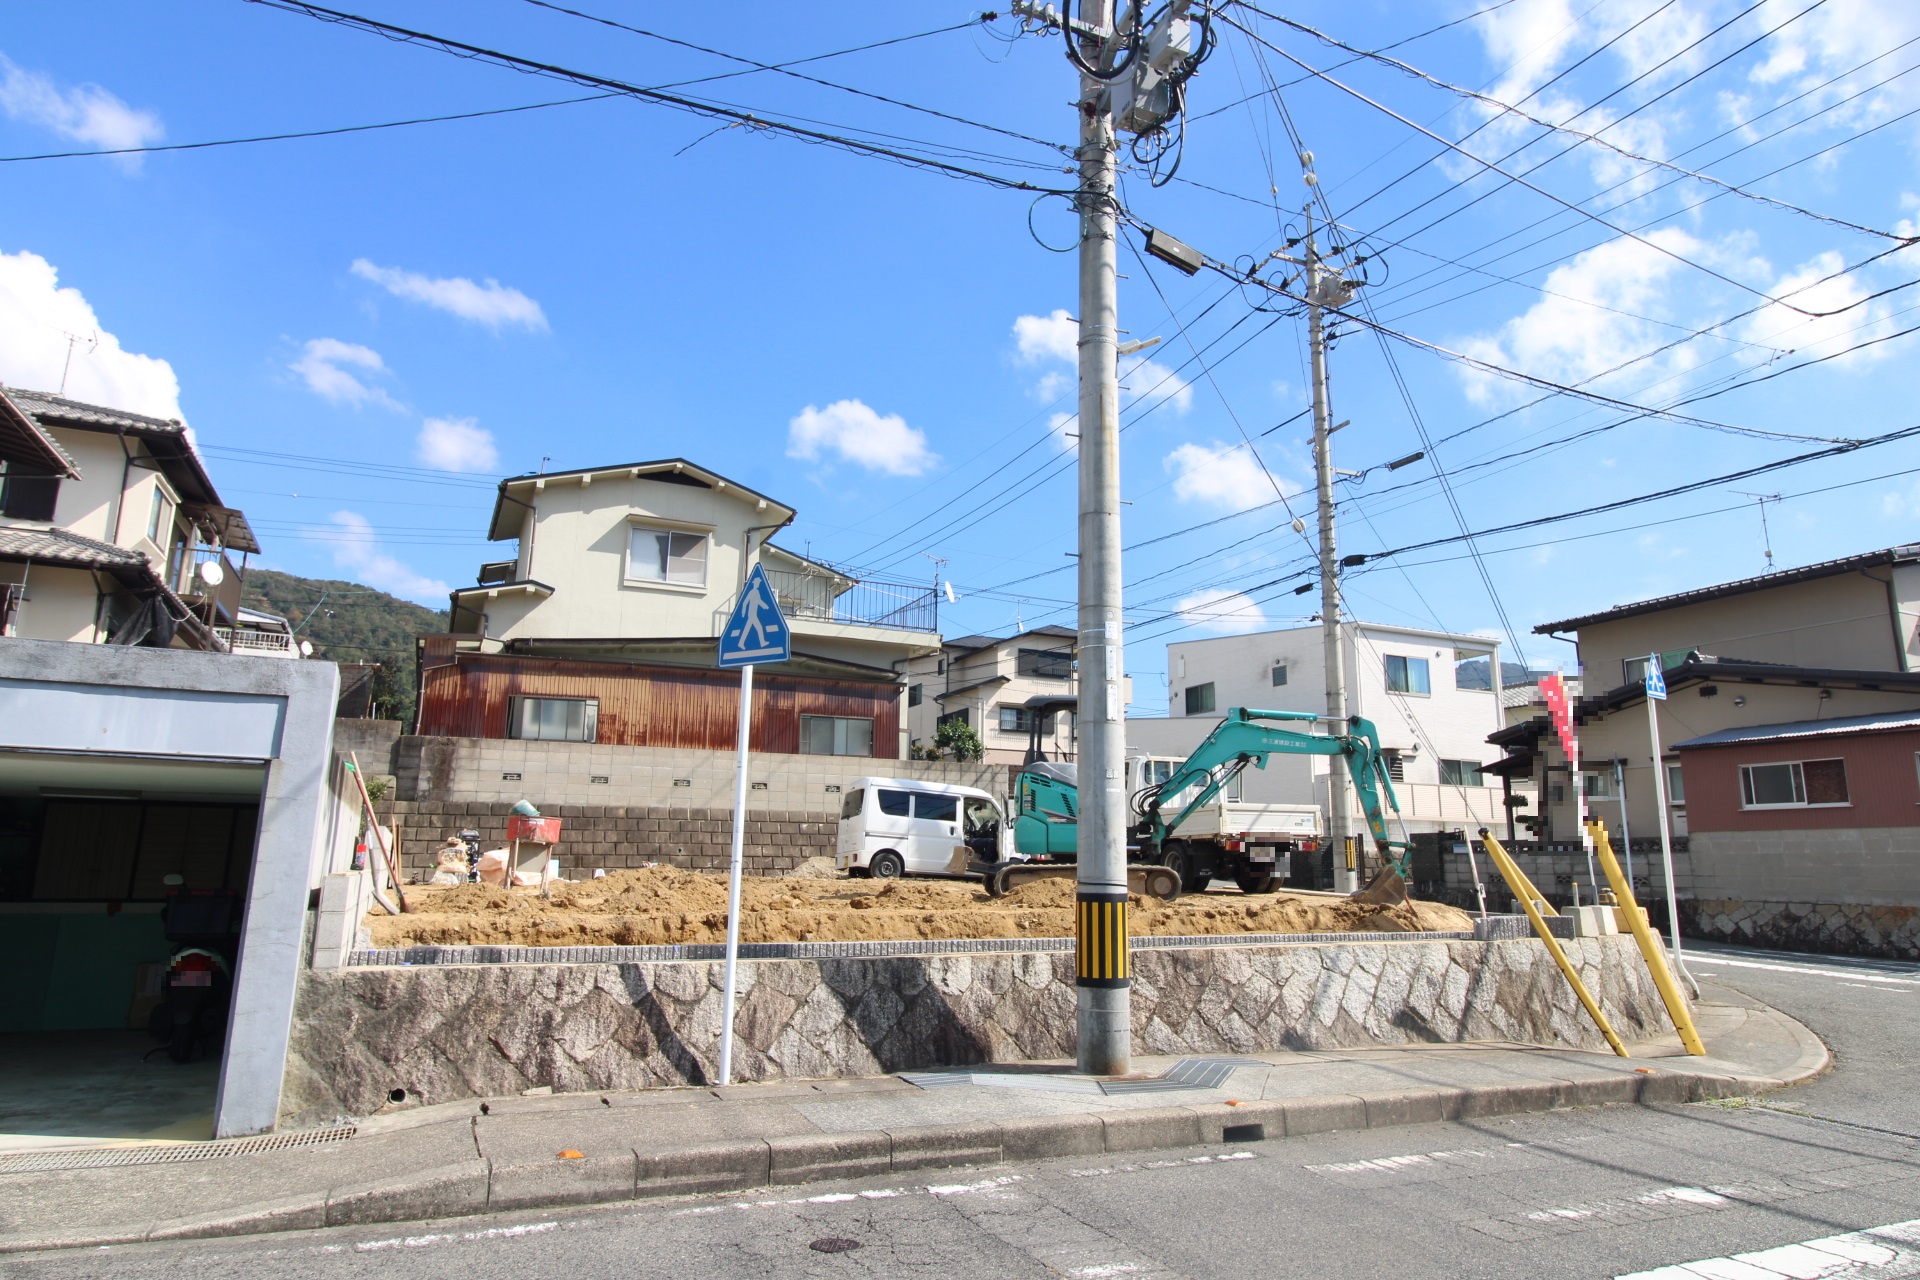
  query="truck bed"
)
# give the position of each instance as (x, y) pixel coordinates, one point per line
(1251, 818)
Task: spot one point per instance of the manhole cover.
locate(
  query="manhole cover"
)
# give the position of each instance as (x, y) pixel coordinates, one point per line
(833, 1244)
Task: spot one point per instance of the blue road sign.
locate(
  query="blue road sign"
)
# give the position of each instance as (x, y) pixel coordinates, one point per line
(756, 632)
(1656, 678)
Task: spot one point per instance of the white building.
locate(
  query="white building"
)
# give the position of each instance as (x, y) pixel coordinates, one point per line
(1425, 692)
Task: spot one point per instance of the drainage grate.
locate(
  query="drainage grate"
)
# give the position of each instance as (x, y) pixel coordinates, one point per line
(1187, 1074)
(167, 1153)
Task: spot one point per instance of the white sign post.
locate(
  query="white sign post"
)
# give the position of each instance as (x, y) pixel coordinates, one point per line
(755, 632)
(1657, 692)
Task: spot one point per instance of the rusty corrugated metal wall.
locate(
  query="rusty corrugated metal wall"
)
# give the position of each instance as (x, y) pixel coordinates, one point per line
(466, 696)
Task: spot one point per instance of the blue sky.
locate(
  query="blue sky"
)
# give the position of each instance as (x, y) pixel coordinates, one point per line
(430, 307)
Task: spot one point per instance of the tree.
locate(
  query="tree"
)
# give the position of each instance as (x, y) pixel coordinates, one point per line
(957, 739)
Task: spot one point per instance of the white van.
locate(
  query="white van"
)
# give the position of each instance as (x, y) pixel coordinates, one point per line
(898, 826)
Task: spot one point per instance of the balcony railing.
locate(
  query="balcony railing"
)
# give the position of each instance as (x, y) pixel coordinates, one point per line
(862, 602)
(258, 644)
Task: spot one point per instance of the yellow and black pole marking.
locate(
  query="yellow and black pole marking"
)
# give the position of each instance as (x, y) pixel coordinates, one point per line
(1102, 948)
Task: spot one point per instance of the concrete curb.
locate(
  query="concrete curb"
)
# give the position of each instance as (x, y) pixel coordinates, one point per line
(482, 1186)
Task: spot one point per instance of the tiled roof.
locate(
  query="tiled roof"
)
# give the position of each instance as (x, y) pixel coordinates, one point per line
(57, 546)
(25, 440)
(1806, 573)
(1878, 722)
(46, 405)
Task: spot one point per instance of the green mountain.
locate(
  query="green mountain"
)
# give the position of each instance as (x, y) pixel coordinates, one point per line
(348, 622)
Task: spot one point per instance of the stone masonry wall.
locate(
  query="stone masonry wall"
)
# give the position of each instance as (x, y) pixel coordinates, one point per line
(618, 838)
(444, 1032)
(1830, 928)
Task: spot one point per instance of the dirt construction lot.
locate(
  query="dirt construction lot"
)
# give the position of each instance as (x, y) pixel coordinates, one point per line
(668, 904)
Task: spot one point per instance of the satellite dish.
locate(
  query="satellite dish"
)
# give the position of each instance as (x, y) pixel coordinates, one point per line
(211, 573)
(306, 648)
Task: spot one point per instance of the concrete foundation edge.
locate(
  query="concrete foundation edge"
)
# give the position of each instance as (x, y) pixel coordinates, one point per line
(756, 1164)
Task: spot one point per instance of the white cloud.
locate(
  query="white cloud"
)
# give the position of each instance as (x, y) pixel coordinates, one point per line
(457, 444)
(320, 364)
(490, 303)
(1055, 336)
(878, 442)
(36, 318)
(1066, 429)
(1055, 339)
(1225, 612)
(84, 113)
(1577, 329)
(1222, 475)
(356, 548)
(1809, 337)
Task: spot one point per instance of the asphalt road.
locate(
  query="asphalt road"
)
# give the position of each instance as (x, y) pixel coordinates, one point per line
(1595, 1193)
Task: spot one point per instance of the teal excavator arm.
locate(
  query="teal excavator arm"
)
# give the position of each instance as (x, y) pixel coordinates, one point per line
(1246, 737)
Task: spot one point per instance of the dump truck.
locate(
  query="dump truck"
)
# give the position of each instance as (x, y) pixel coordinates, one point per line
(1185, 821)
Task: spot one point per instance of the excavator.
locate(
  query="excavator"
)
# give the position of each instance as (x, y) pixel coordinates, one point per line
(1047, 807)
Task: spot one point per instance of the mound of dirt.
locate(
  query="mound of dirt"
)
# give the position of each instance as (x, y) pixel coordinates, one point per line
(659, 905)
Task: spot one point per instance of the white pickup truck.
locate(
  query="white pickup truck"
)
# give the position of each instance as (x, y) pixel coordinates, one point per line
(1227, 837)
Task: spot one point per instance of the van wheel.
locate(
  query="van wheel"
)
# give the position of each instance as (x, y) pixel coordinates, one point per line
(886, 865)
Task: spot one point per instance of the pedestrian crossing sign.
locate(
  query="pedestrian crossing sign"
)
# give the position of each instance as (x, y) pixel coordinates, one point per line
(1656, 678)
(756, 631)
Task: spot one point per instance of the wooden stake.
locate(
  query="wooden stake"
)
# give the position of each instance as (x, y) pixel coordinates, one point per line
(380, 837)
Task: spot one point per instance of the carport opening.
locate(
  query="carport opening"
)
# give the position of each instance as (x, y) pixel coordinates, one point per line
(98, 854)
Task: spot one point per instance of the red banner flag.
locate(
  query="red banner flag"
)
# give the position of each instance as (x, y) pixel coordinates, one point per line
(1554, 689)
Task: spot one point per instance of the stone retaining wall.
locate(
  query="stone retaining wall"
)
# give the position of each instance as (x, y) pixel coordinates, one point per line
(448, 1032)
(617, 838)
(1830, 928)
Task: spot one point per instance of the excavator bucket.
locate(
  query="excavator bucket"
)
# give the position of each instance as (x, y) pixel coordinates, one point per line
(1387, 889)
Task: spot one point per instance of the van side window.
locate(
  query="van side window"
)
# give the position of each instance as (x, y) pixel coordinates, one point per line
(936, 808)
(855, 801)
(894, 804)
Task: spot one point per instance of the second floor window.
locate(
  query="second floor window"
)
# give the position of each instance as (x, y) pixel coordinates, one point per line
(160, 517)
(555, 719)
(1199, 699)
(1460, 773)
(913, 695)
(1407, 675)
(1050, 664)
(667, 555)
(28, 492)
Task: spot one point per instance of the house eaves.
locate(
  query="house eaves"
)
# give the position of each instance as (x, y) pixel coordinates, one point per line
(1840, 726)
(516, 489)
(689, 651)
(969, 688)
(1692, 673)
(24, 440)
(1806, 573)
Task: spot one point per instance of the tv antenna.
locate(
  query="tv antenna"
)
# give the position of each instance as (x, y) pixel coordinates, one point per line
(73, 340)
(1766, 538)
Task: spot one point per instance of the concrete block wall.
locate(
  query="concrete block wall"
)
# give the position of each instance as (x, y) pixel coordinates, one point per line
(582, 773)
(1557, 868)
(621, 837)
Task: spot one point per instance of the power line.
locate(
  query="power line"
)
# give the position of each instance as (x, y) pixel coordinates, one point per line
(716, 111)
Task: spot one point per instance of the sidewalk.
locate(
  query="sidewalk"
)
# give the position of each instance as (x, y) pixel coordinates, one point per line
(505, 1154)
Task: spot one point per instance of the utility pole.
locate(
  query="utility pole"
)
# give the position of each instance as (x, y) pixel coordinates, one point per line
(1319, 288)
(1130, 78)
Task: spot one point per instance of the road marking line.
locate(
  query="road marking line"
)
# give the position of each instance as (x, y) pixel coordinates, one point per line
(838, 1197)
(1887, 1251)
(1702, 959)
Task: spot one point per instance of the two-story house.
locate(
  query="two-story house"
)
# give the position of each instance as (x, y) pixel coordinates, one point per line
(111, 531)
(1426, 692)
(1004, 689)
(1814, 643)
(603, 624)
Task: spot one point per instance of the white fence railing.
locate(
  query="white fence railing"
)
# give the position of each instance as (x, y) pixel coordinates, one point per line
(258, 644)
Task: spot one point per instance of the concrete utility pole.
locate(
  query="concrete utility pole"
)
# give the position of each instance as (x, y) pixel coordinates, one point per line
(1131, 79)
(1105, 1000)
(1323, 288)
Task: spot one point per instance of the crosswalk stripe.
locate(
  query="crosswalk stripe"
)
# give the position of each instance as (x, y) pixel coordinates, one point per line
(1878, 1253)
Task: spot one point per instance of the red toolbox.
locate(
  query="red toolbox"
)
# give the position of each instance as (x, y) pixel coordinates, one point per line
(537, 830)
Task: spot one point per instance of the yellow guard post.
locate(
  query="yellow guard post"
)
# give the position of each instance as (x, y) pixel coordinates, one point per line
(1650, 948)
(1523, 889)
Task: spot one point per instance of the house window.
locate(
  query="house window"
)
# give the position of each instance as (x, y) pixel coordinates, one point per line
(1396, 765)
(159, 516)
(913, 695)
(555, 719)
(1016, 720)
(1407, 675)
(1461, 773)
(1199, 699)
(962, 716)
(1635, 669)
(1793, 784)
(1048, 664)
(28, 492)
(836, 736)
(1279, 674)
(1599, 786)
(667, 555)
(1676, 785)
